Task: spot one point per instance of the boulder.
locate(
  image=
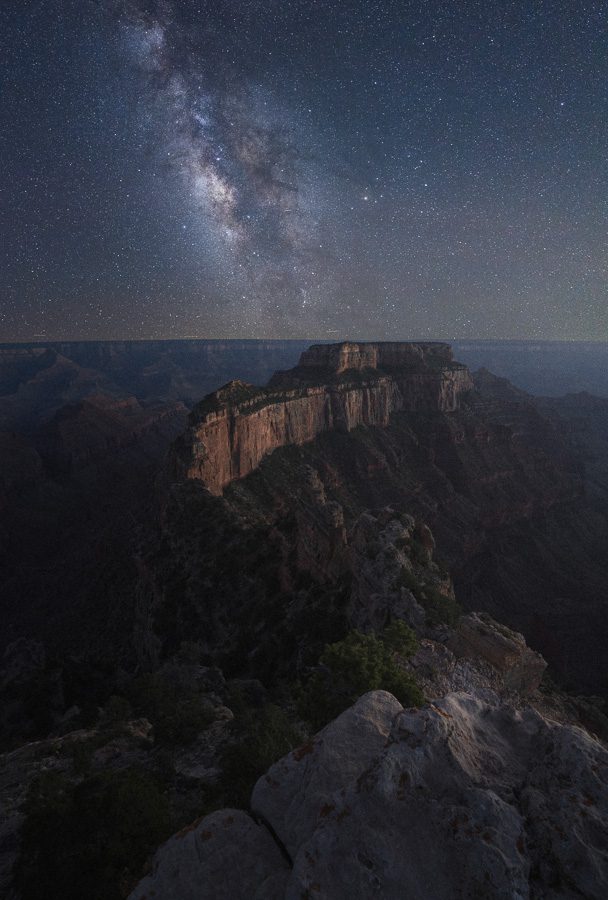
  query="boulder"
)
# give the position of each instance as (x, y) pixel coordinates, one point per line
(461, 799)
(466, 800)
(298, 791)
(225, 856)
(479, 636)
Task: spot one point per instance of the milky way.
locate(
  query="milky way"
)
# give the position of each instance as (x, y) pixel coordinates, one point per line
(298, 168)
(248, 166)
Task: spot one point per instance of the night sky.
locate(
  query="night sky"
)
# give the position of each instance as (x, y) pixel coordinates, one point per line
(303, 168)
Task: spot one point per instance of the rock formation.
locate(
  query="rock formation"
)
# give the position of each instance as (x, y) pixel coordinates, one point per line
(261, 560)
(226, 856)
(479, 636)
(463, 798)
(334, 387)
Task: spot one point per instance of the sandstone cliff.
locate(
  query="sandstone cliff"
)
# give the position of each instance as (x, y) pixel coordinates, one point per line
(334, 387)
(498, 483)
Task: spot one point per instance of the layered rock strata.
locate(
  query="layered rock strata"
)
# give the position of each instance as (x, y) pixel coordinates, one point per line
(479, 636)
(334, 387)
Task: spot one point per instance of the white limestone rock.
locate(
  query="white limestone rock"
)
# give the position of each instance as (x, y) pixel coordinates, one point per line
(297, 791)
(466, 798)
(225, 856)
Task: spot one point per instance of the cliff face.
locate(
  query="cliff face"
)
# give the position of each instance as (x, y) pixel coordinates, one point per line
(500, 484)
(335, 387)
(398, 355)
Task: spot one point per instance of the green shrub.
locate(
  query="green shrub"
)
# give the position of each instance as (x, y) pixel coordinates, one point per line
(407, 580)
(92, 839)
(117, 711)
(356, 665)
(400, 638)
(439, 609)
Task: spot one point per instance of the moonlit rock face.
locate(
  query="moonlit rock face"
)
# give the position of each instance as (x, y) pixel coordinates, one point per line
(480, 636)
(461, 799)
(348, 355)
(231, 431)
(225, 856)
(301, 786)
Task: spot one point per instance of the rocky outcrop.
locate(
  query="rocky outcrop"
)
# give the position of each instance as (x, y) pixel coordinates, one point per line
(496, 481)
(225, 856)
(392, 570)
(335, 387)
(479, 636)
(55, 758)
(300, 790)
(464, 798)
(335, 359)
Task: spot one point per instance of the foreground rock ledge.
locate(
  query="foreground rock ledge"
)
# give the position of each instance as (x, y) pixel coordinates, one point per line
(460, 799)
(479, 636)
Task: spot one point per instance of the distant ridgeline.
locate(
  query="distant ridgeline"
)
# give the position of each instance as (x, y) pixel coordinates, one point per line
(183, 370)
(334, 387)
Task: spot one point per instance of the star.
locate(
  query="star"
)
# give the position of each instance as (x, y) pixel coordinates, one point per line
(384, 159)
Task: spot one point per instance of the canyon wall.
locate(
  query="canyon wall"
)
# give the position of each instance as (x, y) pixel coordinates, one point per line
(334, 387)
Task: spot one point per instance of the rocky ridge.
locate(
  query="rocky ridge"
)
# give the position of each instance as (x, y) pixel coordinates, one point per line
(492, 789)
(318, 539)
(498, 483)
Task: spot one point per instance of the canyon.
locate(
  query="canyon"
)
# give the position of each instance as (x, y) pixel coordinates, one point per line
(84, 428)
(355, 427)
(178, 575)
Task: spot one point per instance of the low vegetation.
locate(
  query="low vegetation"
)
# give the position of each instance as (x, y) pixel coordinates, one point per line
(439, 609)
(88, 833)
(355, 665)
(177, 711)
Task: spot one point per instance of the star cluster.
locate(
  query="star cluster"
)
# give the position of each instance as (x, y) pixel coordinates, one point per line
(298, 168)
